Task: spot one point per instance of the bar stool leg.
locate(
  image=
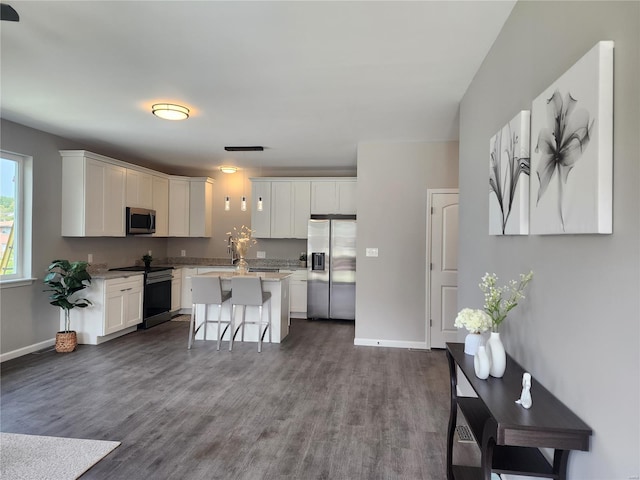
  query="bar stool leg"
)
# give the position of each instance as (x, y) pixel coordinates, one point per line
(219, 321)
(259, 329)
(269, 320)
(204, 307)
(191, 327)
(244, 311)
(232, 328)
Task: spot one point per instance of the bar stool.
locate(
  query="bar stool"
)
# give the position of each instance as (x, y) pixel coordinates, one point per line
(247, 292)
(208, 291)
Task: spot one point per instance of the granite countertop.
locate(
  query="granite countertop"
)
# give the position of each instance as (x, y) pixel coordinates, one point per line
(101, 270)
(106, 274)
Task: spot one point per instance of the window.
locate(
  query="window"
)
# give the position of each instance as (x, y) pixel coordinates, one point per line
(15, 218)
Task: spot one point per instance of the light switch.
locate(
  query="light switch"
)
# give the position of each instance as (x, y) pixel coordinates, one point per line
(183, 253)
(371, 252)
(90, 258)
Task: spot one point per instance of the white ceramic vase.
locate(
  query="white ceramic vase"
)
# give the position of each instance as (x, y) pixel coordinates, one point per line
(497, 355)
(471, 343)
(482, 363)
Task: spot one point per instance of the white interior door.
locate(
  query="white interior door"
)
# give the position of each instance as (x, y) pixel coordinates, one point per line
(442, 267)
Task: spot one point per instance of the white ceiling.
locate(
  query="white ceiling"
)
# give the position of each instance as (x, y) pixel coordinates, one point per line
(307, 80)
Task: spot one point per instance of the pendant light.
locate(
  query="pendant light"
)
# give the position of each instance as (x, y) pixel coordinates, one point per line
(259, 203)
(243, 202)
(227, 199)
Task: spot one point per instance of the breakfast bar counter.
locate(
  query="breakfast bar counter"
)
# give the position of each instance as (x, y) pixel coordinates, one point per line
(275, 283)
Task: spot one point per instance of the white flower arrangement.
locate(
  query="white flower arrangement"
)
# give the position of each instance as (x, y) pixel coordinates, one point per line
(476, 321)
(242, 239)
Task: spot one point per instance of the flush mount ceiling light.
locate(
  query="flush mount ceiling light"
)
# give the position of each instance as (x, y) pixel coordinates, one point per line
(228, 169)
(170, 111)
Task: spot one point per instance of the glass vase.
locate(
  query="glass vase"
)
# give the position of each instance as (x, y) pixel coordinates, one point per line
(242, 267)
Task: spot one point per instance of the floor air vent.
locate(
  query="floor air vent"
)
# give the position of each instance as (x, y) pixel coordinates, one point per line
(464, 434)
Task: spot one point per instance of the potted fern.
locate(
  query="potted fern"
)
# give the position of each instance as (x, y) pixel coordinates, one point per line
(65, 279)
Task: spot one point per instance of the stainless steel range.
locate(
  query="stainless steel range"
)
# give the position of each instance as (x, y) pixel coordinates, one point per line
(156, 304)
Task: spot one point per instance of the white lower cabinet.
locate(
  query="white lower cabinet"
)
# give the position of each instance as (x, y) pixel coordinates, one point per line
(116, 310)
(186, 299)
(176, 290)
(297, 293)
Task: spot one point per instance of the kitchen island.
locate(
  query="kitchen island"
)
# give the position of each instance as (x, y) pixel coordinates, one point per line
(275, 283)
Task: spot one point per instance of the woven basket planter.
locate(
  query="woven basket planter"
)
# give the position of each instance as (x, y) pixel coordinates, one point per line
(66, 342)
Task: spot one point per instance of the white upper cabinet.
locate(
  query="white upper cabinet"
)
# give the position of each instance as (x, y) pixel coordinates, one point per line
(160, 203)
(346, 193)
(190, 207)
(93, 195)
(290, 208)
(139, 189)
(179, 194)
(200, 207)
(285, 207)
(333, 196)
(96, 190)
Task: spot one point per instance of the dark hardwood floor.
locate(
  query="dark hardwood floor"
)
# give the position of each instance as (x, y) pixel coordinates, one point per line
(313, 407)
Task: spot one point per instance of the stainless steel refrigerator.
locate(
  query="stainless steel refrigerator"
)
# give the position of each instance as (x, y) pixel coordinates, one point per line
(331, 265)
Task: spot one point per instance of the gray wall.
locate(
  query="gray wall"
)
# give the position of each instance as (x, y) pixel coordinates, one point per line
(393, 179)
(578, 330)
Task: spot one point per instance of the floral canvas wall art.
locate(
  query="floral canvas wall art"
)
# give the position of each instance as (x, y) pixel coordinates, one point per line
(509, 164)
(572, 149)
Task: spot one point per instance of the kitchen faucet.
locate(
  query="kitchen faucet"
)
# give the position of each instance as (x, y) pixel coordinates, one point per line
(231, 249)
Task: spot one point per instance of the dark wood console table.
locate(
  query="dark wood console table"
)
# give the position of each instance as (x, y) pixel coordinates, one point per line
(510, 436)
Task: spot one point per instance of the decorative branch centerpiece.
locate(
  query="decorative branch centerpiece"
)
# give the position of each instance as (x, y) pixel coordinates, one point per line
(242, 240)
(498, 302)
(491, 359)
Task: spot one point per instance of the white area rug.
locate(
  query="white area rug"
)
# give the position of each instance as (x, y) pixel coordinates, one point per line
(33, 457)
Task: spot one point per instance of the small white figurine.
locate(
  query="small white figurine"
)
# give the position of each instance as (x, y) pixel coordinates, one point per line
(525, 397)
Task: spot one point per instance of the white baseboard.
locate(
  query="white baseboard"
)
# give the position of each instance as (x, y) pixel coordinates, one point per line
(27, 350)
(370, 342)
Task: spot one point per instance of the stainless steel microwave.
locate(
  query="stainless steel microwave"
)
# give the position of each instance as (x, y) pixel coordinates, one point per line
(140, 221)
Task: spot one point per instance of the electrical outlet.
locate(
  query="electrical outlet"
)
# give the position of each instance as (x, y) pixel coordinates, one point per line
(149, 252)
(90, 258)
(371, 252)
(260, 254)
(183, 253)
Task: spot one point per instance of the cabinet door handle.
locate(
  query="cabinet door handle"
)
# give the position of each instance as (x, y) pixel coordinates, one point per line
(126, 289)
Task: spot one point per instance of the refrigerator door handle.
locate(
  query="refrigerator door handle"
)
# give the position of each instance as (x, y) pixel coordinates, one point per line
(317, 261)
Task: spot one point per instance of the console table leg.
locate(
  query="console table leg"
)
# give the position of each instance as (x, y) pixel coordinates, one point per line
(486, 451)
(453, 415)
(560, 461)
